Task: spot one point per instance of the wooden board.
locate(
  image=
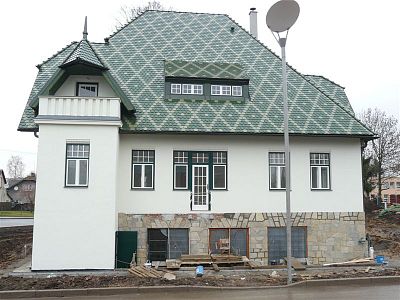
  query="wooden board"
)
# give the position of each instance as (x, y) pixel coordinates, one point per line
(173, 263)
(296, 264)
(144, 272)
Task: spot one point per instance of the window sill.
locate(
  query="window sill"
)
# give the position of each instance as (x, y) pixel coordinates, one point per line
(76, 186)
(142, 189)
(321, 190)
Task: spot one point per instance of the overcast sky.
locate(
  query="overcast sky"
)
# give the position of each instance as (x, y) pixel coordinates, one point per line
(352, 42)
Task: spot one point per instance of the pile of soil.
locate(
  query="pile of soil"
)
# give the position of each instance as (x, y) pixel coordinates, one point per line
(243, 280)
(384, 233)
(15, 243)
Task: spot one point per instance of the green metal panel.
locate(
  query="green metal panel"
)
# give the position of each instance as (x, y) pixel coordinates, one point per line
(125, 246)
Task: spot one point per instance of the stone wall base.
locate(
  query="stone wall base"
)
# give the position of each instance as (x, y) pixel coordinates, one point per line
(331, 237)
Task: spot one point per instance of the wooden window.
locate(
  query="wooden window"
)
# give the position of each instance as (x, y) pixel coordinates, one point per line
(142, 169)
(175, 88)
(77, 165)
(320, 171)
(238, 240)
(277, 174)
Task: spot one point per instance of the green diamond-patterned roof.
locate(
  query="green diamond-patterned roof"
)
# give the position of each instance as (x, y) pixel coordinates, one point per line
(136, 54)
(46, 71)
(84, 52)
(194, 69)
(333, 90)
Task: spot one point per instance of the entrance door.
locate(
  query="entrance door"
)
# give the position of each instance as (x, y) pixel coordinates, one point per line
(200, 187)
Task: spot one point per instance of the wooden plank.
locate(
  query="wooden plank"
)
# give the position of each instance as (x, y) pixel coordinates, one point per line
(354, 261)
(252, 264)
(215, 267)
(195, 257)
(296, 264)
(134, 272)
(173, 263)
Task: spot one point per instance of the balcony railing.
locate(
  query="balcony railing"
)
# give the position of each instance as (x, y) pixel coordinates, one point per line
(79, 107)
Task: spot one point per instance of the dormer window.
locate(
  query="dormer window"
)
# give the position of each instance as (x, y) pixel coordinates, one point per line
(87, 89)
(226, 90)
(186, 89)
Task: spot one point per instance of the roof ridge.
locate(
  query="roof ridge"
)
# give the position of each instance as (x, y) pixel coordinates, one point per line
(321, 76)
(54, 55)
(95, 53)
(72, 52)
(303, 76)
(163, 11)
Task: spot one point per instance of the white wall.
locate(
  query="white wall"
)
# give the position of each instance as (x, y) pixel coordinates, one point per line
(74, 228)
(68, 88)
(248, 189)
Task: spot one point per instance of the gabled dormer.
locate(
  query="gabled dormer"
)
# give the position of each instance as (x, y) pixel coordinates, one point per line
(81, 90)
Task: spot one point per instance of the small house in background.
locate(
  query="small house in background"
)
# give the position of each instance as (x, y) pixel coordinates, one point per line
(22, 192)
(390, 191)
(5, 201)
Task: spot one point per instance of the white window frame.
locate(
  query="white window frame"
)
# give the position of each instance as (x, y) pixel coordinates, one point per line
(77, 160)
(89, 84)
(192, 89)
(237, 88)
(187, 176)
(174, 86)
(220, 90)
(398, 185)
(279, 167)
(319, 168)
(142, 178)
(143, 158)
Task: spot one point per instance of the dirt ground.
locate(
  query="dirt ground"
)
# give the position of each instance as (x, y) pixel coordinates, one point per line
(385, 234)
(15, 244)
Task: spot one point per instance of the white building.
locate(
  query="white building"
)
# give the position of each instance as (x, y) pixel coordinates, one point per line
(168, 137)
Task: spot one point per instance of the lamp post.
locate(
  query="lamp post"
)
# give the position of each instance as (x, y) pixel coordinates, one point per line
(280, 17)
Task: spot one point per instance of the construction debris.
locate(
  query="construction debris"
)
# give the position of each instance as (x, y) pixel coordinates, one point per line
(169, 276)
(146, 272)
(350, 262)
(214, 260)
(298, 266)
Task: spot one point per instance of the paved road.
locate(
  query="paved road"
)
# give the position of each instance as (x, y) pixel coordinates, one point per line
(348, 292)
(12, 222)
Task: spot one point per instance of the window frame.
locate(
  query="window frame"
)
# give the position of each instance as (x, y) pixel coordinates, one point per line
(143, 166)
(176, 85)
(280, 167)
(77, 166)
(319, 168)
(241, 90)
(168, 240)
(191, 89)
(87, 83)
(210, 163)
(229, 235)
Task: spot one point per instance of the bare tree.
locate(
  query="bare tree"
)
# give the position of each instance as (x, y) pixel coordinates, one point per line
(128, 13)
(15, 167)
(385, 150)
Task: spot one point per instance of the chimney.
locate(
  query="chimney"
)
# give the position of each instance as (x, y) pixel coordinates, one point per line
(253, 22)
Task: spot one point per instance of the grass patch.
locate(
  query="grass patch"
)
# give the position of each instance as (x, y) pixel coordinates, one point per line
(391, 210)
(16, 213)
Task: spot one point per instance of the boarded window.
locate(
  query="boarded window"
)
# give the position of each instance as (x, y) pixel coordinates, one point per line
(277, 242)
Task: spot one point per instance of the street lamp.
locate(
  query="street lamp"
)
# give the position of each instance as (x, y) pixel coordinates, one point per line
(280, 17)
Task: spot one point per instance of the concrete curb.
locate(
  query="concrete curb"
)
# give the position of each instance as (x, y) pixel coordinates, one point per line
(154, 289)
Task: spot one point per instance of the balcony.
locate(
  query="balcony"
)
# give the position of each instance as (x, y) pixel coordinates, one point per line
(78, 109)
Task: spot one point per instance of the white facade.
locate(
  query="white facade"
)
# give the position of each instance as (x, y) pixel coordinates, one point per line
(74, 227)
(247, 174)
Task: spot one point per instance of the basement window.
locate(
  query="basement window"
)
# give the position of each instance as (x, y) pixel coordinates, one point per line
(237, 239)
(277, 243)
(167, 243)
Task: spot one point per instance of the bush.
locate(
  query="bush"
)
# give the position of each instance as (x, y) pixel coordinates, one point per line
(391, 210)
